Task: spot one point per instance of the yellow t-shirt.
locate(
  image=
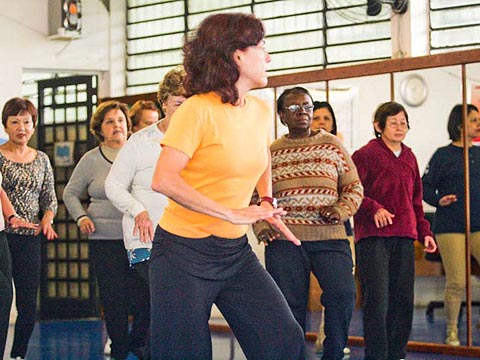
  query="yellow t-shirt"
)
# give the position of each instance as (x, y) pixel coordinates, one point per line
(228, 150)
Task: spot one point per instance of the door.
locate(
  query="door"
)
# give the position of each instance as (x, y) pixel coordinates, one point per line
(65, 107)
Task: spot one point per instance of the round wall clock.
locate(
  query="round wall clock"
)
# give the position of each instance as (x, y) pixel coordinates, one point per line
(413, 90)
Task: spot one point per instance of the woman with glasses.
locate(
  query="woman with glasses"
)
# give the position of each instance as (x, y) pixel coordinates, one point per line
(389, 220)
(316, 182)
(444, 188)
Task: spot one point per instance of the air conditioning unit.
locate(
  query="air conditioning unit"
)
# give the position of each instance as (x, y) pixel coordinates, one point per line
(64, 19)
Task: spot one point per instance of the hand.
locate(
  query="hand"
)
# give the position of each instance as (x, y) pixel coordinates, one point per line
(143, 227)
(47, 229)
(329, 214)
(86, 225)
(267, 235)
(430, 244)
(280, 226)
(383, 218)
(253, 213)
(447, 200)
(17, 222)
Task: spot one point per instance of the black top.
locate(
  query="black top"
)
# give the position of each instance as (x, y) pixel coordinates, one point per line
(444, 176)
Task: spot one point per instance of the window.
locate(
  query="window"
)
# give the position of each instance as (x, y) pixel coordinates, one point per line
(454, 25)
(301, 34)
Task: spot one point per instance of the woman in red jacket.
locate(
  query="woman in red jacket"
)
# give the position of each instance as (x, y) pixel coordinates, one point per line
(388, 221)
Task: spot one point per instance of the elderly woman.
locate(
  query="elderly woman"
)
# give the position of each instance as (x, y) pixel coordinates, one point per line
(129, 183)
(102, 222)
(386, 225)
(142, 114)
(28, 182)
(316, 182)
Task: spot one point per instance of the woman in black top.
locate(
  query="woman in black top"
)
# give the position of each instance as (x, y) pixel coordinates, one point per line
(443, 187)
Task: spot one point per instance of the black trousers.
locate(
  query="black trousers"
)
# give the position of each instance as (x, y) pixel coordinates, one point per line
(121, 289)
(387, 272)
(26, 269)
(6, 290)
(187, 276)
(331, 263)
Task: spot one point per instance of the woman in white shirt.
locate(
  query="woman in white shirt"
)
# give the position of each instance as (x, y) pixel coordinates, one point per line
(129, 182)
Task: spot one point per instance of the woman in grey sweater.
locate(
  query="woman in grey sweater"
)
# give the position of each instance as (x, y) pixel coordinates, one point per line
(102, 222)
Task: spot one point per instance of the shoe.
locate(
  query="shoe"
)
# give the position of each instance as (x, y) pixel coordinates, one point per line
(17, 358)
(107, 349)
(452, 338)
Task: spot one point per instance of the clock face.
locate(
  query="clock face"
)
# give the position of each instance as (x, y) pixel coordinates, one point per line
(413, 90)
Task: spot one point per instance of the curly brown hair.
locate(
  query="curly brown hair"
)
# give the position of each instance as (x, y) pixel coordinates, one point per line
(208, 53)
(172, 84)
(15, 106)
(99, 115)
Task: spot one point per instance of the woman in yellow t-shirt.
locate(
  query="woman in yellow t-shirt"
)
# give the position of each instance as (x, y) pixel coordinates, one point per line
(215, 153)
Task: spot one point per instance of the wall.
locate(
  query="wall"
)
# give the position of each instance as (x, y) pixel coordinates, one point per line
(25, 45)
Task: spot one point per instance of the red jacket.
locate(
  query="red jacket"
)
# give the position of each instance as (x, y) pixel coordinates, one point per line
(393, 183)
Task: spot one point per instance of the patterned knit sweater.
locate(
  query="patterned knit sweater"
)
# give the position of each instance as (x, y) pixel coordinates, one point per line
(308, 173)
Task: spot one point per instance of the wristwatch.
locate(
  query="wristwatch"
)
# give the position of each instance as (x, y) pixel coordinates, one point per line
(270, 200)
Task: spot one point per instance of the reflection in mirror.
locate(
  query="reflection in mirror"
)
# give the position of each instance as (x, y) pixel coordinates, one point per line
(429, 96)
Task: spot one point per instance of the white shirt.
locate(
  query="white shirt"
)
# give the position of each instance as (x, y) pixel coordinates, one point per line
(129, 183)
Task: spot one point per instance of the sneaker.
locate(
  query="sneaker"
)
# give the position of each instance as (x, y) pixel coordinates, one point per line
(107, 349)
(452, 338)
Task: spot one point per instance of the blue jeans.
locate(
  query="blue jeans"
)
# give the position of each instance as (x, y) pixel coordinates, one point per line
(188, 276)
(331, 263)
(387, 272)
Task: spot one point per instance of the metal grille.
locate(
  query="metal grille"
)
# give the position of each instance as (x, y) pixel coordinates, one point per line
(65, 106)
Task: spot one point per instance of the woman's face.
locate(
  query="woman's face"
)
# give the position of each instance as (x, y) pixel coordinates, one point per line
(297, 114)
(147, 117)
(322, 119)
(171, 104)
(473, 125)
(114, 128)
(396, 128)
(252, 64)
(20, 128)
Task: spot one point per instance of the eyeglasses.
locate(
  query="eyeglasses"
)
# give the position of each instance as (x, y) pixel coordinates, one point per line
(395, 124)
(295, 107)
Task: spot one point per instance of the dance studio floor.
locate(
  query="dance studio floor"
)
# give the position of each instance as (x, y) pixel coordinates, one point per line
(84, 339)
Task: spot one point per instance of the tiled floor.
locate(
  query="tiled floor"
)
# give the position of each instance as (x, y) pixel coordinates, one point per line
(75, 340)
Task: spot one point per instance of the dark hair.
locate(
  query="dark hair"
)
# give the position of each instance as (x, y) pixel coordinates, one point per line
(386, 109)
(286, 92)
(324, 104)
(135, 112)
(15, 106)
(455, 120)
(99, 116)
(208, 53)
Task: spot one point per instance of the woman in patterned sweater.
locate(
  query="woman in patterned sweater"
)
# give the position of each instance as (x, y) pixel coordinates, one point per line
(316, 182)
(28, 182)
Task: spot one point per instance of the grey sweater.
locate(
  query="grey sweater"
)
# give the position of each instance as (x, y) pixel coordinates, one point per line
(89, 176)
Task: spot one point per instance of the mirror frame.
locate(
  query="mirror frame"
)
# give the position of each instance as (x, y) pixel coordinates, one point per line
(461, 58)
